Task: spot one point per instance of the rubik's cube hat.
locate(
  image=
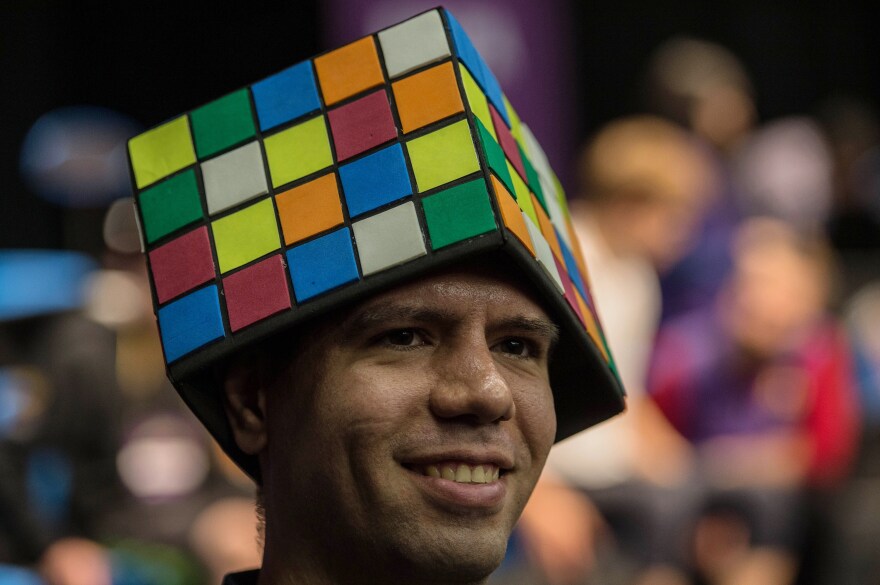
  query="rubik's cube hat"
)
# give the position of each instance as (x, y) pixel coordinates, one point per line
(342, 176)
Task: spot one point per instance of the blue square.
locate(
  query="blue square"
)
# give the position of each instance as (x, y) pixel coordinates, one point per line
(322, 264)
(286, 95)
(375, 180)
(190, 322)
(571, 266)
(477, 66)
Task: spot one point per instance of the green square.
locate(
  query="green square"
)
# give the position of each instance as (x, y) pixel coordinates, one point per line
(170, 205)
(222, 123)
(532, 176)
(476, 99)
(443, 156)
(462, 212)
(495, 156)
(523, 197)
(298, 151)
(246, 235)
(157, 153)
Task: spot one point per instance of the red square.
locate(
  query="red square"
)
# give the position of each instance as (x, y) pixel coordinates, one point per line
(182, 264)
(256, 292)
(362, 124)
(508, 143)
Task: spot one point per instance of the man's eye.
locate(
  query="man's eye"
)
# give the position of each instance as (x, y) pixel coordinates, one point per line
(516, 347)
(403, 338)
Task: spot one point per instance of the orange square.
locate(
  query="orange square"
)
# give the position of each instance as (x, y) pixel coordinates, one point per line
(547, 229)
(427, 97)
(309, 209)
(591, 326)
(349, 70)
(512, 214)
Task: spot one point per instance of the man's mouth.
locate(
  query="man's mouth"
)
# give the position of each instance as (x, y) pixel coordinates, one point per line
(461, 472)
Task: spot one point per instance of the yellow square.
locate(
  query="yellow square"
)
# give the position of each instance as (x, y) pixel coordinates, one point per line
(157, 153)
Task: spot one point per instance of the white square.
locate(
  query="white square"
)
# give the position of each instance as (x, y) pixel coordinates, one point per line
(416, 42)
(388, 239)
(234, 177)
(544, 253)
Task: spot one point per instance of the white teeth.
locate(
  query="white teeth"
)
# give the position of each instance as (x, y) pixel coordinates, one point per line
(462, 473)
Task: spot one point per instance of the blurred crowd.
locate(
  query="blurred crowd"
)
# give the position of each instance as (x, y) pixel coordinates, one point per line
(737, 272)
(736, 268)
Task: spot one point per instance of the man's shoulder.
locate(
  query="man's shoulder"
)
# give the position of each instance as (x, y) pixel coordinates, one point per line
(243, 578)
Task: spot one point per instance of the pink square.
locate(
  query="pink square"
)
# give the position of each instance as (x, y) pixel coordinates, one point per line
(508, 143)
(362, 124)
(256, 292)
(182, 264)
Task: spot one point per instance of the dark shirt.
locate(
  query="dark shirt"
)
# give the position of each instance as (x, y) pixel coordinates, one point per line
(243, 578)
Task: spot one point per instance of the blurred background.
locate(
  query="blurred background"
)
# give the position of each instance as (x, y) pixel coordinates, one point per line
(723, 171)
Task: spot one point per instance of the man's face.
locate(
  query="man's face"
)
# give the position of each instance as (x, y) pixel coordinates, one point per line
(408, 433)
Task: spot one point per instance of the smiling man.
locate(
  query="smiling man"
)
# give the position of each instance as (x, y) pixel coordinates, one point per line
(368, 290)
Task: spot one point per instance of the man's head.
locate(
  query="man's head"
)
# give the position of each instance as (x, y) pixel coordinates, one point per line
(382, 233)
(402, 436)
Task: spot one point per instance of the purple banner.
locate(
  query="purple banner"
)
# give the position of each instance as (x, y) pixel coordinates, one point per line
(525, 43)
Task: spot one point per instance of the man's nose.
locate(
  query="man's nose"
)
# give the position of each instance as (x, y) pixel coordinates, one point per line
(470, 386)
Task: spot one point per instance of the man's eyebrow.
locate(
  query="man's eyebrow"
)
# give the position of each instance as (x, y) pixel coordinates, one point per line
(373, 316)
(543, 327)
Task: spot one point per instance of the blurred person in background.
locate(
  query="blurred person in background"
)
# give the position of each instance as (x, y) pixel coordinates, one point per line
(703, 87)
(761, 385)
(644, 186)
(58, 430)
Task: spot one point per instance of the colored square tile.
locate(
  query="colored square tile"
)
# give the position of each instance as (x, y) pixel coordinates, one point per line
(544, 254)
(349, 70)
(477, 100)
(245, 235)
(190, 322)
(362, 124)
(533, 180)
(515, 124)
(443, 155)
(375, 180)
(157, 153)
(592, 327)
(534, 151)
(458, 213)
(234, 177)
(322, 264)
(411, 44)
(547, 229)
(222, 123)
(468, 54)
(256, 292)
(182, 264)
(427, 97)
(571, 266)
(494, 155)
(285, 96)
(511, 214)
(170, 205)
(507, 142)
(389, 238)
(298, 151)
(309, 209)
(523, 197)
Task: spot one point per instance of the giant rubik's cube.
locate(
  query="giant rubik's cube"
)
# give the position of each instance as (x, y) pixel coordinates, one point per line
(341, 175)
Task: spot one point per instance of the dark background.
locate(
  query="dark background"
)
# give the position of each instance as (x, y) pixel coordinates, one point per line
(154, 61)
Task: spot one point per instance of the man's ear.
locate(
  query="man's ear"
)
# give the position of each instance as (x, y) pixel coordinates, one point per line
(245, 401)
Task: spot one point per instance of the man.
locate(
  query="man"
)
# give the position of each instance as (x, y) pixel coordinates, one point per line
(371, 300)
